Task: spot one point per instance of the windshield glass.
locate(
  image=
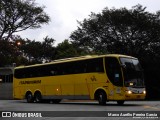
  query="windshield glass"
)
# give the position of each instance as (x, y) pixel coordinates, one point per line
(133, 73)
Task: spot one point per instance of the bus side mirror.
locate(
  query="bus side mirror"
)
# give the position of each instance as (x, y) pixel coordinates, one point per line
(123, 65)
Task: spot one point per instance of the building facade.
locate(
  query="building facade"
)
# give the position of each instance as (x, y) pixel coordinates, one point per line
(6, 83)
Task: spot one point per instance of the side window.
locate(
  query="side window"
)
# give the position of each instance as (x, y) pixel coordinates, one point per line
(80, 66)
(113, 71)
(95, 65)
(19, 73)
(74, 67)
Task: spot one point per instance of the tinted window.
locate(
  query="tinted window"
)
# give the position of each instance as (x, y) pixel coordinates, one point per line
(133, 74)
(113, 71)
(75, 67)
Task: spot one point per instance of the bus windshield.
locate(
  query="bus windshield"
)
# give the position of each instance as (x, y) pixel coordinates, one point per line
(133, 73)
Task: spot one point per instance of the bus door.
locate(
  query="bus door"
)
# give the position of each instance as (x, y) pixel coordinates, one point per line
(113, 71)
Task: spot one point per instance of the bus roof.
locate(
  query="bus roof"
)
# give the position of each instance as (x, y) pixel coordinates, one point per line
(76, 59)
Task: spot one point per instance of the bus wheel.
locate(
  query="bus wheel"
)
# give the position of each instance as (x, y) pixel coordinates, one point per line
(56, 101)
(38, 97)
(120, 102)
(102, 98)
(29, 97)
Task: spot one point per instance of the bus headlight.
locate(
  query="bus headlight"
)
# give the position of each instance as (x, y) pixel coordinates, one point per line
(144, 92)
(129, 92)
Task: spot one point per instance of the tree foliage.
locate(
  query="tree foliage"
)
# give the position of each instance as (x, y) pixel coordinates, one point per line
(9, 51)
(19, 15)
(25, 51)
(131, 32)
(48, 49)
(38, 52)
(65, 50)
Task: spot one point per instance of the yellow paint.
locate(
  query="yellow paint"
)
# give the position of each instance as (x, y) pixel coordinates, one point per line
(72, 85)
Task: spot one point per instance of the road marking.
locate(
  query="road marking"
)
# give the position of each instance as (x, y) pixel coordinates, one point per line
(150, 107)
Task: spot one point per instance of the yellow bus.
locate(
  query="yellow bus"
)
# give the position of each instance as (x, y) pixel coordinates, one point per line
(104, 78)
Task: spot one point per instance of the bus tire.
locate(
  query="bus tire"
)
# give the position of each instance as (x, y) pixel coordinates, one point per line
(29, 97)
(102, 98)
(120, 102)
(37, 97)
(56, 101)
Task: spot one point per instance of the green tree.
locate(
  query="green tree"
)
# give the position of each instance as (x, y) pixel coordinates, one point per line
(10, 51)
(32, 51)
(65, 50)
(48, 49)
(6, 51)
(124, 31)
(19, 15)
(36, 51)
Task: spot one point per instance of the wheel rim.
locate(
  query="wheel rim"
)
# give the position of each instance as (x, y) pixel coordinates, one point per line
(100, 98)
(38, 97)
(29, 97)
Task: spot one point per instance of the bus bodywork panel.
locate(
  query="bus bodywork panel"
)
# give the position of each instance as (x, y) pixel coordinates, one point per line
(74, 87)
(117, 76)
(68, 86)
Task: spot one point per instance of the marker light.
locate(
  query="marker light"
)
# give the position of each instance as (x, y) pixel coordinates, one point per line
(129, 92)
(144, 92)
(131, 84)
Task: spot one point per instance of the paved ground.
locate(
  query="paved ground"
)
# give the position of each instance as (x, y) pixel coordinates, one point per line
(79, 110)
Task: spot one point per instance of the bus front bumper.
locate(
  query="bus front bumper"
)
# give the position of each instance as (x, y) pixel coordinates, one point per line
(135, 96)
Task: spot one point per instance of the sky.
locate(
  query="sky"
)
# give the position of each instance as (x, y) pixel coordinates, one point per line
(64, 15)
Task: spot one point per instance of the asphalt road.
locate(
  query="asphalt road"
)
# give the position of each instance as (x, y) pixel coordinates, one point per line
(79, 110)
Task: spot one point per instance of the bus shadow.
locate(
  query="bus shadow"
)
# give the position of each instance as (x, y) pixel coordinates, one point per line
(96, 104)
(84, 103)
